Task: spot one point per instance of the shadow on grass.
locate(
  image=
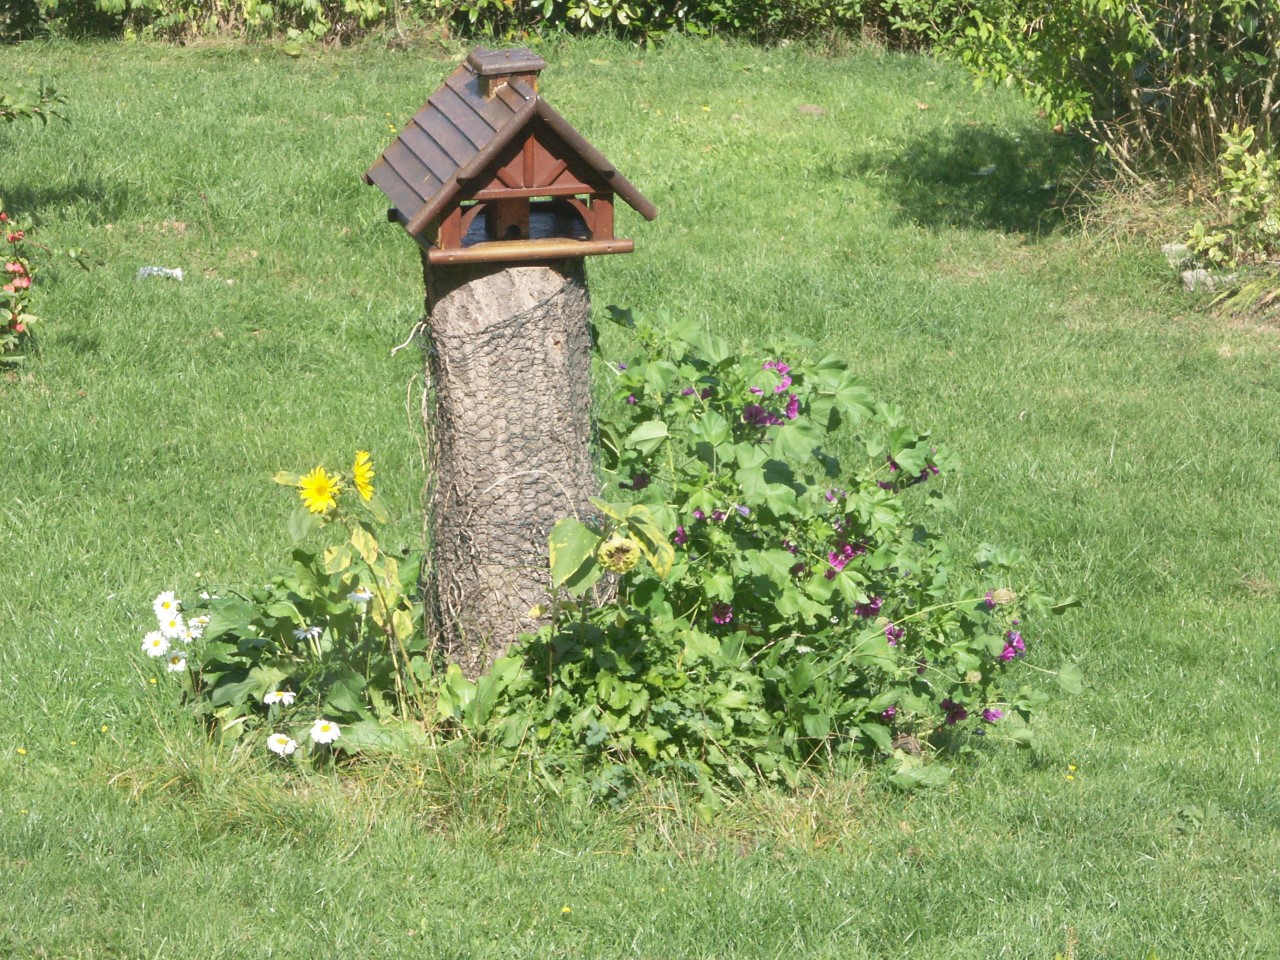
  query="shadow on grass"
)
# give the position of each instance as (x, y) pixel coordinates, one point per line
(978, 178)
(94, 202)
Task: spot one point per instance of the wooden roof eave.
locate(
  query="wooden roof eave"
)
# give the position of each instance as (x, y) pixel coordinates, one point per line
(597, 160)
(475, 166)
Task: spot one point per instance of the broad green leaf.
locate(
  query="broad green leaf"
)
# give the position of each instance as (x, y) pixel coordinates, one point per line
(303, 523)
(370, 736)
(364, 543)
(653, 542)
(699, 644)
(647, 437)
(646, 742)
(878, 734)
(229, 615)
(1071, 678)
(337, 559)
(573, 547)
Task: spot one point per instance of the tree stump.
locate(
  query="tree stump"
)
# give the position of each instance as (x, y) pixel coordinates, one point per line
(508, 355)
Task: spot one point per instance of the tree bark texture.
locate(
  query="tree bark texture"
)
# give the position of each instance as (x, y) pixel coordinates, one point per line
(508, 353)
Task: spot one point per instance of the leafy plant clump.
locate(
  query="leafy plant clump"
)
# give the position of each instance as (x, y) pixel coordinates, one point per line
(326, 654)
(1249, 186)
(774, 599)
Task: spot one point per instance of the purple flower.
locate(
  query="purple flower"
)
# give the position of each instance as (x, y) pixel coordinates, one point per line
(991, 715)
(680, 538)
(990, 600)
(955, 712)
(790, 547)
(638, 482)
(721, 613)
(1015, 641)
(893, 465)
(893, 633)
(758, 416)
(621, 366)
(717, 515)
(757, 391)
(888, 715)
(793, 407)
(1008, 653)
(884, 484)
(687, 392)
(699, 515)
(743, 511)
(799, 569)
(783, 385)
(922, 664)
(706, 393)
(870, 608)
(631, 399)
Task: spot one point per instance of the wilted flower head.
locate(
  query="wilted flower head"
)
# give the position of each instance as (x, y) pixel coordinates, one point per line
(619, 554)
(1002, 596)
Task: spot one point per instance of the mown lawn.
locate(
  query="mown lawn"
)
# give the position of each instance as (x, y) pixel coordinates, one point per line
(1108, 426)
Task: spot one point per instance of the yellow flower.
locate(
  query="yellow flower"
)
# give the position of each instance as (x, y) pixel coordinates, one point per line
(318, 490)
(22, 752)
(362, 475)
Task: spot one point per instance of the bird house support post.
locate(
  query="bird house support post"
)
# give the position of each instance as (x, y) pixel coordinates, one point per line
(508, 354)
(504, 199)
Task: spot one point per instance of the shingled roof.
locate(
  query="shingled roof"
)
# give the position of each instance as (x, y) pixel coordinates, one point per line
(451, 141)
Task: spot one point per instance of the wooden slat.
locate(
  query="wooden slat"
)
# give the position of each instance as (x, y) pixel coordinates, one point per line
(425, 148)
(462, 115)
(411, 169)
(404, 197)
(514, 251)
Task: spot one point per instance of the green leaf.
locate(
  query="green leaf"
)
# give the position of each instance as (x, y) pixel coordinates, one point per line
(878, 734)
(1071, 678)
(573, 547)
(370, 736)
(365, 544)
(229, 615)
(914, 774)
(1062, 606)
(303, 523)
(647, 437)
(700, 644)
(653, 542)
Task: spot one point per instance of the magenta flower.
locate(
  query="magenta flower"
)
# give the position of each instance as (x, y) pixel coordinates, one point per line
(955, 712)
(687, 392)
(793, 407)
(888, 715)
(991, 715)
(870, 608)
(721, 613)
(990, 600)
(631, 400)
(680, 538)
(758, 416)
(893, 633)
(638, 482)
(621, 366)
(757, 391)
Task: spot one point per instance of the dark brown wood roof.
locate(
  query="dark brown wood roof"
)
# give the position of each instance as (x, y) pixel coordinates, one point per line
(451, 140)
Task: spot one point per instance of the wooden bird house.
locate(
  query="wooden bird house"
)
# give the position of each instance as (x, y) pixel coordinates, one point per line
(488, 172)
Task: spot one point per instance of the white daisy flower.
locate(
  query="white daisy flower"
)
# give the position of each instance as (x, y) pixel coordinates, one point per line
(280, 743)
(360, 595)
(155, 644)
(173, 626)
(195, 629)
(308, 633)
(177, 662)
(166, 605)
(324, 731)
(279, 696)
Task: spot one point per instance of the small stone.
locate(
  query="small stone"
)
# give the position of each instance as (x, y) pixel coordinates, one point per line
(1200, 278)
(1175, 253)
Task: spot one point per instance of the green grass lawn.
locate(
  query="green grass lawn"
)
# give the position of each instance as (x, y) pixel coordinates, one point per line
(1126, 441)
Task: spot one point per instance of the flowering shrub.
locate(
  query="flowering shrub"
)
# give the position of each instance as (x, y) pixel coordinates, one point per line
(779, 602)
(325, 653)
(16, 319)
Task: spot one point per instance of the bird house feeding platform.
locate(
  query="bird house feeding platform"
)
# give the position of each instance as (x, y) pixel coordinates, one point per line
(488, 172)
